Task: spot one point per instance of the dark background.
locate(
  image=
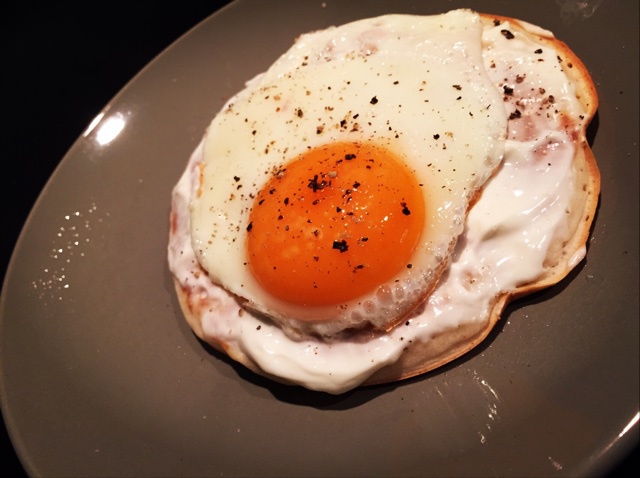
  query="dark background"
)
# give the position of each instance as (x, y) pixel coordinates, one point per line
(61, 63)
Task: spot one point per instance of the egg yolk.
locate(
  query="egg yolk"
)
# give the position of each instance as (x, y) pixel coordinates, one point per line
(334, 224)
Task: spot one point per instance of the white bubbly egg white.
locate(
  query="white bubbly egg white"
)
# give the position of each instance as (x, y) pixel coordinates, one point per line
(507, 233)
(415, 85)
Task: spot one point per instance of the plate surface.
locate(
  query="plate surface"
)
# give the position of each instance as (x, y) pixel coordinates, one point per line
(99, 373)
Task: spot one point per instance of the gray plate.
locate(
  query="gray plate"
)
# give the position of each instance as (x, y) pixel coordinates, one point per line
(101, 375)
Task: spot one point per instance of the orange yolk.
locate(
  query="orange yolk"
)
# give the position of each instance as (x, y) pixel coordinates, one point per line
(334, 224)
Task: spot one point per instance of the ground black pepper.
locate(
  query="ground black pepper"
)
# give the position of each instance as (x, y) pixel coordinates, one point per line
(342, 246)
(507, 34)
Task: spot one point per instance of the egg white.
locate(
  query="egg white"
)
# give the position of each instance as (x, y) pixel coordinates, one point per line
(415, 85)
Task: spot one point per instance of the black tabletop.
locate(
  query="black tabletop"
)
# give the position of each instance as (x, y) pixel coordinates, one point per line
(61, 64)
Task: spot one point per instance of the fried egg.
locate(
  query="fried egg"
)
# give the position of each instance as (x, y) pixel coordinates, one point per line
(526, 229)
(334, 187)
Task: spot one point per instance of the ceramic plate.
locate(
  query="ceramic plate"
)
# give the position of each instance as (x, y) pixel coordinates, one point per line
(101, 375)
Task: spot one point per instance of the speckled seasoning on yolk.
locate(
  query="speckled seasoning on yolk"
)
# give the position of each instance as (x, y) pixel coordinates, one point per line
(335, 223)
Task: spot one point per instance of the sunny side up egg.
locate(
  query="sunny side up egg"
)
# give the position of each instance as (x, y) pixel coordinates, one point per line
(526, 229)
(334, 186)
